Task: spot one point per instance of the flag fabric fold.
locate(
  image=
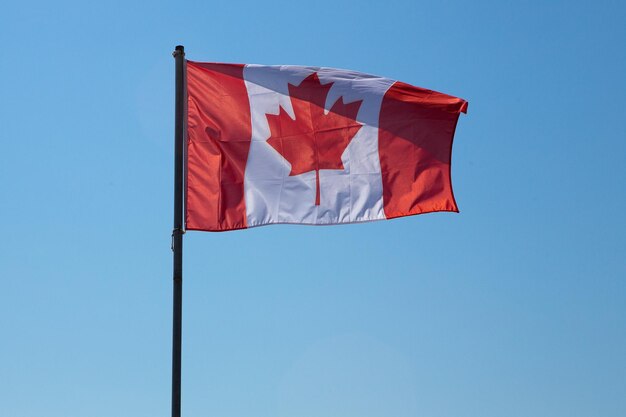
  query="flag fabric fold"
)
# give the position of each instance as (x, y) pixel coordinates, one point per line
(310, 145)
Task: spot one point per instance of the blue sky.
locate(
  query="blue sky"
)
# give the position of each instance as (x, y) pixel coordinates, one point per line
(514, 307)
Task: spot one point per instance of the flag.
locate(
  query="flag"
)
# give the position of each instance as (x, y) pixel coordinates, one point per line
(310, 145)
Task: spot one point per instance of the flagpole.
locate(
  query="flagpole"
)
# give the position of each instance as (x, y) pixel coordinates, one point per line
(177, 233)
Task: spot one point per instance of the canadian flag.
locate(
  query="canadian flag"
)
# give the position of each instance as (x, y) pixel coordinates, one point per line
(309, 145)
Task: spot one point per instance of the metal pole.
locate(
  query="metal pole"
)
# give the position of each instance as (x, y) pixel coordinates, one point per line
(177, 233)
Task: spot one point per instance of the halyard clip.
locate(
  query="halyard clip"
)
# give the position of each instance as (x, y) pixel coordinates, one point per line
(174, 232)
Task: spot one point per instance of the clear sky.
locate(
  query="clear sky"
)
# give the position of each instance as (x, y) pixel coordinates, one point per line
(514, 307)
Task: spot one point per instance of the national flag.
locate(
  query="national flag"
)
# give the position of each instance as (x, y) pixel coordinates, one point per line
(310, 145)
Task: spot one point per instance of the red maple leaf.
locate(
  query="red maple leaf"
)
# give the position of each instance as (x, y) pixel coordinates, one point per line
(313, 140)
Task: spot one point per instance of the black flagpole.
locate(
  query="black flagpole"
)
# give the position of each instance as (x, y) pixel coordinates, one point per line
(177, 233)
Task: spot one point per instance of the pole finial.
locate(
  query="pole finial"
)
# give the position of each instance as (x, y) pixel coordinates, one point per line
(179, 50)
